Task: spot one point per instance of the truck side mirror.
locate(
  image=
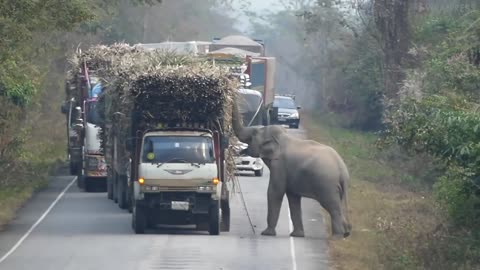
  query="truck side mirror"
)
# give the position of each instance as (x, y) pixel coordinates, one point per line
(299, 107)
(65, 108)
(225, 141)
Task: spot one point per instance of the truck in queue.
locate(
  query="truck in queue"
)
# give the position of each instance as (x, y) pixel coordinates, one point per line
(86, 160)
(259, 68)
(167, 130)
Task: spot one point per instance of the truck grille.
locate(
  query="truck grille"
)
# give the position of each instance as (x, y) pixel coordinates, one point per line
(177, 188)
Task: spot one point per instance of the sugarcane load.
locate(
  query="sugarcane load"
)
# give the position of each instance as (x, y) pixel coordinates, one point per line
(165, 122)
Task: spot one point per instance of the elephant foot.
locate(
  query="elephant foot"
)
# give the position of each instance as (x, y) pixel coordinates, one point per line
(269, 232)
(336, 237)
(297, 233)
(339, 236)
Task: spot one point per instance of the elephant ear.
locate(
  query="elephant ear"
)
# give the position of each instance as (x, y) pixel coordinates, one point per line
(270, 149)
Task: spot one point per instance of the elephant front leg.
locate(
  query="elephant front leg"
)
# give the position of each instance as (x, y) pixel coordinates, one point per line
(275, 198)
(295, 204)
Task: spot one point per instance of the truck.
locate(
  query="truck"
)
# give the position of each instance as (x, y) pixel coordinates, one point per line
(179, 177)
(259, 68)
(168, 169)
(83, 128)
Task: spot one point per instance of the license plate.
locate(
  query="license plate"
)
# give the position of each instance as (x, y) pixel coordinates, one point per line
(180, 206)
(282, 120)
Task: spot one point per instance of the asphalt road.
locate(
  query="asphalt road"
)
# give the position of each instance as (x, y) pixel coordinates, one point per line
(63, 228)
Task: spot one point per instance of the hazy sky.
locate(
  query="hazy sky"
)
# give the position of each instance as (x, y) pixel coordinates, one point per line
(256, 6)
(264, 4)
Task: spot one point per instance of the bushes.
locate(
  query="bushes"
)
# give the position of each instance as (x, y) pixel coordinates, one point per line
(444, 128)
(444, 121)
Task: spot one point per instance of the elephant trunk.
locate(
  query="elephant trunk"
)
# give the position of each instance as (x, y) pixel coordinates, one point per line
(244, 134)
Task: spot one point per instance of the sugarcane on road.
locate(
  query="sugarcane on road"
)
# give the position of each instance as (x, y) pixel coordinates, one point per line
(64, 228)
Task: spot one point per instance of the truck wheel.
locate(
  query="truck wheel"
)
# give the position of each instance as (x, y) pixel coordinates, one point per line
(109, 188)
(225, 206)
(214, 218)
(122, 194)
(74, 168)
(88, 184)
(80, 181)
(259, 173)
(130, 201)
(139, 220)
(115, 187)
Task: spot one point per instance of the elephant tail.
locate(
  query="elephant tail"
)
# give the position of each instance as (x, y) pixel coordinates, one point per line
(344, 179)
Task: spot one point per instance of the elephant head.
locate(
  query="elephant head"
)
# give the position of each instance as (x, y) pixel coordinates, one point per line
(263, 141)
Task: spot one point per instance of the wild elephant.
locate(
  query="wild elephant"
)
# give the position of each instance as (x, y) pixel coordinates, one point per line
(298, 168)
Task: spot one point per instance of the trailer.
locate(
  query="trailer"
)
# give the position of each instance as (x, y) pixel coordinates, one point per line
(87, 162)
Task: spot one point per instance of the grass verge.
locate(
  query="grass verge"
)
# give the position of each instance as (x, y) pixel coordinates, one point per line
(395, 219)
(26, 178)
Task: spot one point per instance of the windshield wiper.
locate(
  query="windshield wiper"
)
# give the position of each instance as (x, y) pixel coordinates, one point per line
(170, 160)
(197, 164)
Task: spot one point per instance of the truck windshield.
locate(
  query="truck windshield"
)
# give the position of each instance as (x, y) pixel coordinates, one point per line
(248, 106)
(286, 103)
(92, 113)
(175, 149)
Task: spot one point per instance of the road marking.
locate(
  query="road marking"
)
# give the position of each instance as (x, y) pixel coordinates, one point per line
(292, 242)
(17, 245)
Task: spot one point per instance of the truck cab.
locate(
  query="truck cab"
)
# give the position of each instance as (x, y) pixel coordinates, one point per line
(94, 165)
(178, 179)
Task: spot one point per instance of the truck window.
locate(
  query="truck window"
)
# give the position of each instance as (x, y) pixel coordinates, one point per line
(248, 106)
(286, 103)
(174, 149)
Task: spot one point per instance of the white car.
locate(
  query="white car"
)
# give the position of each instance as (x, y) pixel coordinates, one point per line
(247, 163)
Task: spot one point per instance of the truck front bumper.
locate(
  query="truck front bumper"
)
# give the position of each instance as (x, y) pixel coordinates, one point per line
(176, 208)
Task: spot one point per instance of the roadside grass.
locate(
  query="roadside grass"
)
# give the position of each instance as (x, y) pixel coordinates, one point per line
(393, 215)
(11, 199)
(30, 174)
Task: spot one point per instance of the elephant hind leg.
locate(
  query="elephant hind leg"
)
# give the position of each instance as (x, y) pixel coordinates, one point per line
(340, 227)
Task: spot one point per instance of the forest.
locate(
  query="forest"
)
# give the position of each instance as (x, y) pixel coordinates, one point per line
(396, 90)
(392, 84)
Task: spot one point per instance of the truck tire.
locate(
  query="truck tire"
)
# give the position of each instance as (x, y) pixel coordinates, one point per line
(122, 193)
(130, 200)
(139, 220)
(88, 183)
(80, 181)
(214, 218)
(74, 168)
(225, 206)
(115, 187)
(109, 187)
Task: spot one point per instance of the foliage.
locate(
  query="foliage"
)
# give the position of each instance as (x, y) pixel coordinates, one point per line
(443, 118)
(396, 228)
(35, 37)
(447, 129)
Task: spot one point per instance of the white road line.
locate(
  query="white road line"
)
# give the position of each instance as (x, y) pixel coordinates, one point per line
(292, 242)
(17, 245)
